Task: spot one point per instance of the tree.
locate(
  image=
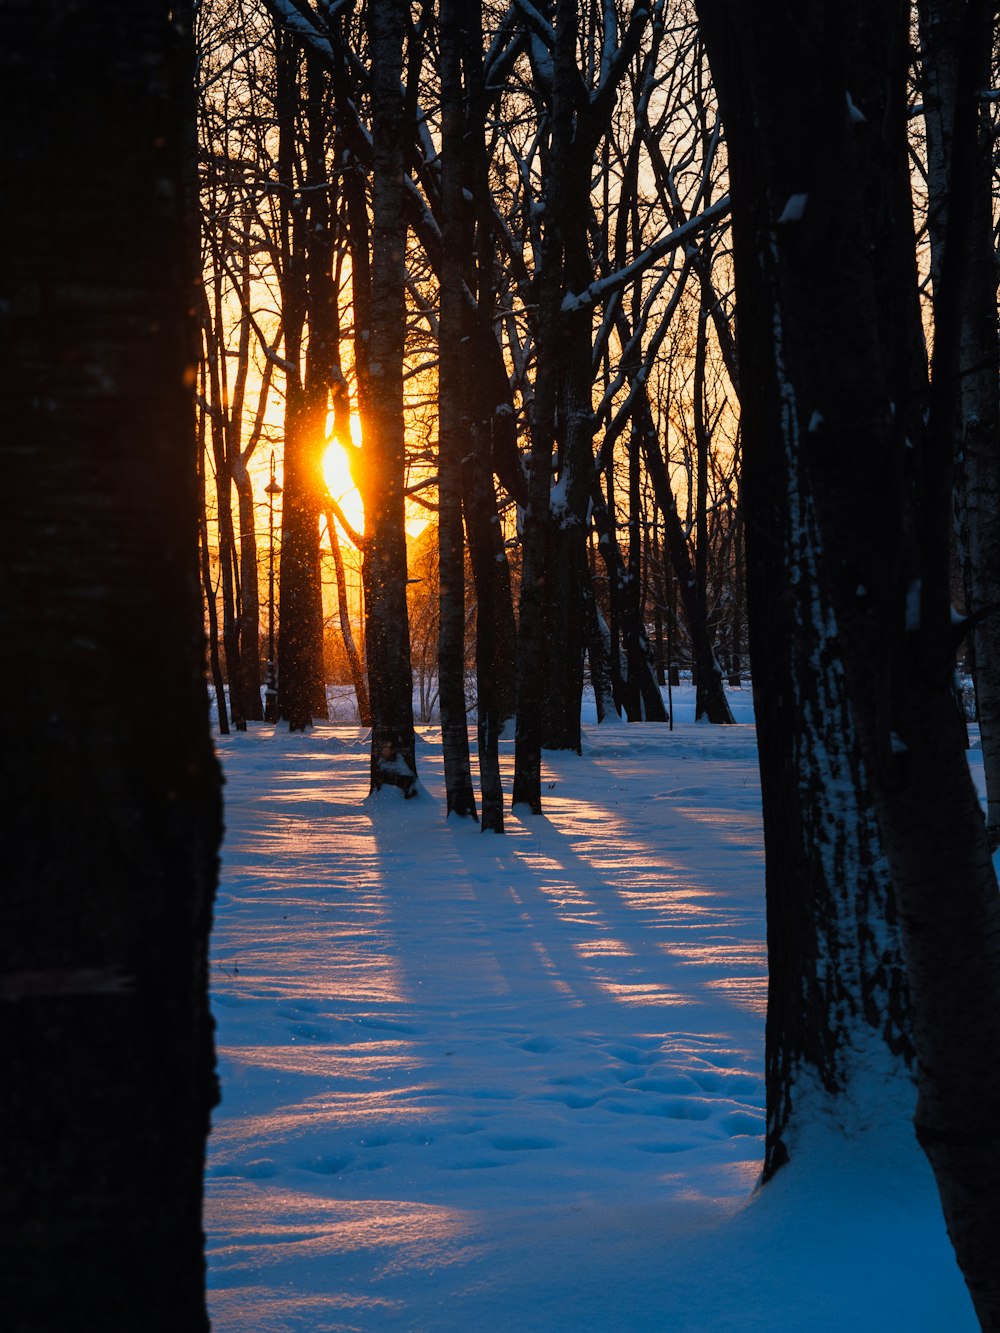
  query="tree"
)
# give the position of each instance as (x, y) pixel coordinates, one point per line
(847, 474)
(113, 814)
(453, 420)
(977, 419)
(389, 673)
(307, 296)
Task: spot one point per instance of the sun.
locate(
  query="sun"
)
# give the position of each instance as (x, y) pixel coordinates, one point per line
(340, 483)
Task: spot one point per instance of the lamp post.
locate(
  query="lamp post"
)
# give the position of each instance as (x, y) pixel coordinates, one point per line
(270, 688)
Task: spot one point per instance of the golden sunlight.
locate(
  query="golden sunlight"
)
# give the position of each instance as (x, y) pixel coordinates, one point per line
(340, 483)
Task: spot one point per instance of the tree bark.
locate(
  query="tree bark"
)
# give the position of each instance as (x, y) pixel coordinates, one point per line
(112, 818)
(977, 423)
(390, 681)
(832, 344)
(834, 960)
(454, 442)
(300, 623)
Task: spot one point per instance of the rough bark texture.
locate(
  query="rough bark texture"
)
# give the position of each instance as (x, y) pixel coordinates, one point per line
(834, 961)
(830, 283)
(306, 295)
(110, 833)
(977, 420)
(454, 442)
(390, 680)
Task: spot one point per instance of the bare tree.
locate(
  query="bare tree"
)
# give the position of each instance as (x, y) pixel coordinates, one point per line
(830, 341)
(113, 810)
(454, 436)
(977, 423)
(389, 672)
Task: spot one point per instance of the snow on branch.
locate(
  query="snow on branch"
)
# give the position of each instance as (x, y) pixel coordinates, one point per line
(538, 24)
(296, 17)
(603, 287)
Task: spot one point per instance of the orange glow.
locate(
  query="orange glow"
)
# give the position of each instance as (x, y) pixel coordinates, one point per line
(340, 483)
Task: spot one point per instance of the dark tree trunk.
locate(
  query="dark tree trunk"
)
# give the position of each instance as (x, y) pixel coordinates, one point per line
(629, 587)
(454, 441)
(977, 419)
(710, 687)
(552, 602)
(112, 818)
(480, 518)
(346, 633)
(706, 667)
(300, 624)
(738, 610)
(209, 590)
(223, 503)
(834, 958)
(248, 624)
(711, 691)
(644, 700)
(393, 761)
(598, 654)
(659, 599)
(823, 230)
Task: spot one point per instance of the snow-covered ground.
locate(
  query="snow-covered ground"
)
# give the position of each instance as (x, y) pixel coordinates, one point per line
(492, 1084)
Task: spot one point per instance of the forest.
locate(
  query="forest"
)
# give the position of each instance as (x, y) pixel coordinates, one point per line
(528, 373)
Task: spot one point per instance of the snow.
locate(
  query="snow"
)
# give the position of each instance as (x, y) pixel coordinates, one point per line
(856, 115)
(487, 1083)
(913, 597)
(795, 207)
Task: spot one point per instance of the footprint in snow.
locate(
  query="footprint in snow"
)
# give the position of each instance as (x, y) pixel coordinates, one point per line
(631, 1055)
(519, 1143)
(742, 1122)
(326, 1166)
(310, 1032)
(576, 1101)
(538, 1045)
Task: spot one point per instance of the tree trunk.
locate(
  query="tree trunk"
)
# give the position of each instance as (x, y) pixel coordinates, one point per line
(825, 269)
(480, 518)
(706, 667)
(977, 424)
(598, 653)
(393, 760)
(209, 590)
(710, 687)
(300, 628)
(454, 441)
(347, 634)
(112, 819)
(711, 690)
(248, 625)
(646, 700)
(224, 514)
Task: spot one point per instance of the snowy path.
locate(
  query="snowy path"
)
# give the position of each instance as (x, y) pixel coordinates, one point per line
(482, 1083)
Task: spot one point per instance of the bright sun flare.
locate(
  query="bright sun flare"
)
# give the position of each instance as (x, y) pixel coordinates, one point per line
(340, 484)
